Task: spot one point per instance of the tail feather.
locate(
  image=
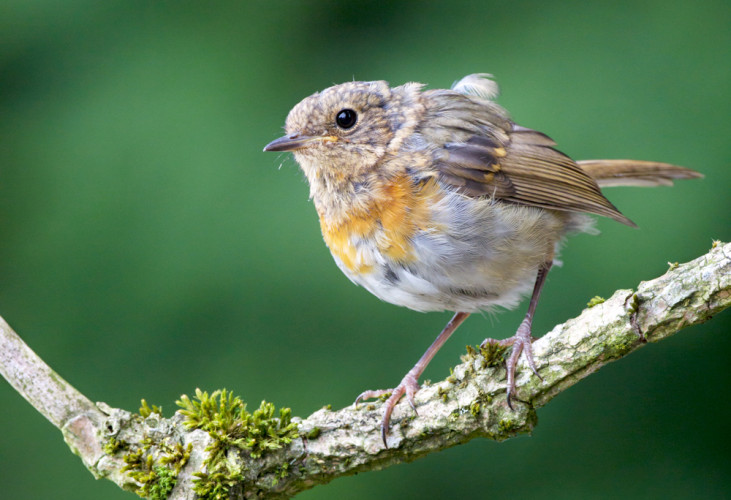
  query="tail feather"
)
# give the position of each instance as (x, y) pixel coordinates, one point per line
(608, 173)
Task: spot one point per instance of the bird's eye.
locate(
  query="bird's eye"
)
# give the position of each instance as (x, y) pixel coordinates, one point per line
(346, 118)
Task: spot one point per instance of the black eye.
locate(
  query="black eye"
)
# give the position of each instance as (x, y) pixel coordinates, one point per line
(346, 118)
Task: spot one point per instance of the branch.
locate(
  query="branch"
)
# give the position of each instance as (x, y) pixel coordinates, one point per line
(150, 454)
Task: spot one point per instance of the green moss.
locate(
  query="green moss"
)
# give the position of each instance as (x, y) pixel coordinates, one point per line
(468, 358)
(155, 466)
(283, 471)
(146, 410)
(113, 445)
(314, 433)
(475, 408)
(506, 426)
(618, 348)
(493, 354)
(471, 352)
(161, 488)
(226, 419)
(133, 459)
(595, 301)
(216, 485)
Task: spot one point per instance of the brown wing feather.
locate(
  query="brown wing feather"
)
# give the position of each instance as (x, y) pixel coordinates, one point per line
(524, 169)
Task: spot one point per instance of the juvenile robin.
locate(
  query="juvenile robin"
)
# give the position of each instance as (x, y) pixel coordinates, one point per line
(435, 200)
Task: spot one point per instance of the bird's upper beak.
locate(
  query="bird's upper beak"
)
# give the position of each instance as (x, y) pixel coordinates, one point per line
(293, 142)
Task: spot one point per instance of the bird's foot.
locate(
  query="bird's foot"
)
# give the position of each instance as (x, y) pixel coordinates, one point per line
(408, 386)
(522, 343)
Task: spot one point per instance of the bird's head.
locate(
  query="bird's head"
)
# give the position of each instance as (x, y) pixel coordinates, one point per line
(346, 130)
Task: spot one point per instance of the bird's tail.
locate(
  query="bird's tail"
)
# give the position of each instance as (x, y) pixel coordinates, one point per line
(635, 172)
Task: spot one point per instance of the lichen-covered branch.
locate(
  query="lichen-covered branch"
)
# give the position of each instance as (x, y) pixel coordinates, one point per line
(65, 407)
(214, 447)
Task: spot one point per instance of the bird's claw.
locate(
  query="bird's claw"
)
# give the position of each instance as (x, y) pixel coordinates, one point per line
(522, 343)
(408, 386)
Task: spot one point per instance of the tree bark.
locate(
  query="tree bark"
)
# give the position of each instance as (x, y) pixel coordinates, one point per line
(470, 403)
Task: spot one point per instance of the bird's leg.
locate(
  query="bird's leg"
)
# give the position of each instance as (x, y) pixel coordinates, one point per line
(409, 384)
(522, 340)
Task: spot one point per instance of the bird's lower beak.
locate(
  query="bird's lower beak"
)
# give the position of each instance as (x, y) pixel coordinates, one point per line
(293, 142)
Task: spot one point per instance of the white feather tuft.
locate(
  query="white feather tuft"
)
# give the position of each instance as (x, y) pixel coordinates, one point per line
(478, 84)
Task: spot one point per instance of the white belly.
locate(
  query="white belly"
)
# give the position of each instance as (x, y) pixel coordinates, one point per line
(476, 256)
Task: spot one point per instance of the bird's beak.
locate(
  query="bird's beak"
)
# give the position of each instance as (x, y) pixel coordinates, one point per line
(293, 142)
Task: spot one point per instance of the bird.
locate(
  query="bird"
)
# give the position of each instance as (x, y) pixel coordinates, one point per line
(434, 200)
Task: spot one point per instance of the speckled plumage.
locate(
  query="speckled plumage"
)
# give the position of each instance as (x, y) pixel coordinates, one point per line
(435, 199)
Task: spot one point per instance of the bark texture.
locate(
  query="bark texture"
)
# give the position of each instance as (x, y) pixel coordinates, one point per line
(470, 403)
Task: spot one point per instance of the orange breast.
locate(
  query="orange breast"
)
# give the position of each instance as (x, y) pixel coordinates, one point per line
(398, 210)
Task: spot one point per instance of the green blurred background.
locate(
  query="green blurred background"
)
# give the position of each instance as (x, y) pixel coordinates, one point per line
(148, 246)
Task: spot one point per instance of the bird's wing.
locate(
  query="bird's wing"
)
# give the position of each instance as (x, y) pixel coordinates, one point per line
(520, 165)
